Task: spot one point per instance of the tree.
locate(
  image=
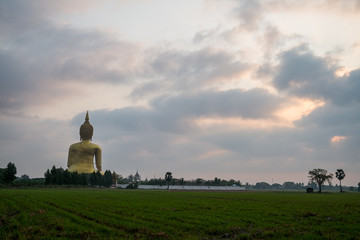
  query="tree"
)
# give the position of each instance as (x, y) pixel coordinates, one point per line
(319, 176)
(199, 181)
(108, 178)
(67, 177)
(168, 177)
(2, 170)
(47, 176)
(75, 178)
(289, 185)
(217, 181)
(9, 173)
(131, 178)
(262, 185)
(84, 178)
(92, 179)
(99, 179)
(54, 173)
(276, 186)
(340, 174)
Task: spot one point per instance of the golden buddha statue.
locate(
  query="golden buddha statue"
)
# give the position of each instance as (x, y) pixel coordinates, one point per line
(81, 154)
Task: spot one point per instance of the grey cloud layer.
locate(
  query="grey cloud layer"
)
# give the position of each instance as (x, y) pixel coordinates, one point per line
(36, 63)
(189, 69)
(254, 103)
(172, 113)
(38, 56)
(303, 74)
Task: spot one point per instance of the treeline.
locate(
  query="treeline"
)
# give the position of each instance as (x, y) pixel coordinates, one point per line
(296, 186)
(59, 176)
(182, 182)
(8, 178)
(285, 185)
(25, 181)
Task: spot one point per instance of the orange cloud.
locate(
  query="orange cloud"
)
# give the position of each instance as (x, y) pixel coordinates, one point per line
(240, 123)
(211, 154)
(297, 109)
(337, 139)
(342, 71)
(284, 117)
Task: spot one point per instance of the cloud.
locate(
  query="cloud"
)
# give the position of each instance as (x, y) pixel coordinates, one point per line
(150, 89)
(332, 115)
(353, 88)
(352, 6)
(186, 69)
(11, 81)
(43, 63)
(271, 39)
(203, 35)
(34, 144)
(254, 103)
(250, 13)
(19, 17)
(337, 139)
(177, 114)
(301, 73)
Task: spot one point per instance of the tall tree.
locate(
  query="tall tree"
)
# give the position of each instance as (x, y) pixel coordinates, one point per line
(54, 175)
(84, 179)
(108, 178)
(340, 174)
(168, 178)
(10, 172)
(75, 178)
(319, 176)
(99, 178)
(92, 179)
(48, 177)
(2, 170)
(67, 177)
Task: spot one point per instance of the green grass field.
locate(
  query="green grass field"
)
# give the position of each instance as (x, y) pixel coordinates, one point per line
(140, 214)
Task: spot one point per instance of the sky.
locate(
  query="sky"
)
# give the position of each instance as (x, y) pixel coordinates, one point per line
(246, 90)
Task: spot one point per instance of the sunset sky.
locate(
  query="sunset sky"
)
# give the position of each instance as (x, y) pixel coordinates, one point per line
(250, 90)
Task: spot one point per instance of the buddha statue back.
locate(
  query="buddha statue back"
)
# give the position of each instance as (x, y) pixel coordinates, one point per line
(81, 154)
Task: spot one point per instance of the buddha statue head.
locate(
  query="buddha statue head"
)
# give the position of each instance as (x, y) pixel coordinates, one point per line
(86, 129)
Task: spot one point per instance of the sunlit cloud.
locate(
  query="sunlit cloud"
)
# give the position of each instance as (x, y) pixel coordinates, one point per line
(210, 154)
(336, 139)
(239, 123)
(298, 109)
(342, 72)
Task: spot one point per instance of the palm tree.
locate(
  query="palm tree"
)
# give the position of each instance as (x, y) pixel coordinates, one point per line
(168, 177)
(340, 175)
